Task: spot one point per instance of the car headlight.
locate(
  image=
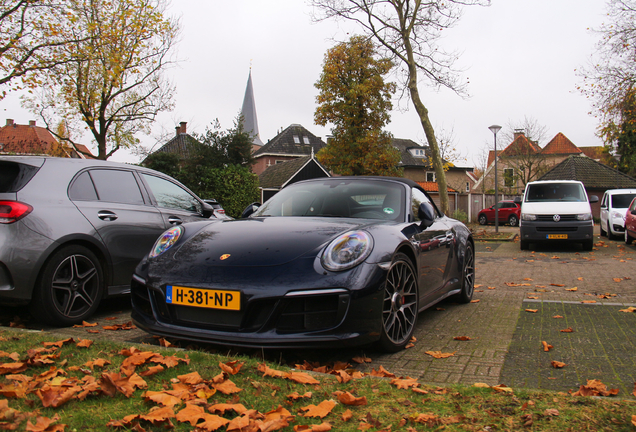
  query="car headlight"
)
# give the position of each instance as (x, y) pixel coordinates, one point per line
(618, 215)
(528, 217)
(347, 251)
(584, 216)
(166, 241)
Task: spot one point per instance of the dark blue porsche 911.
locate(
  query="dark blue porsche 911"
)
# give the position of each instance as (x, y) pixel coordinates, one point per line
(325, 262)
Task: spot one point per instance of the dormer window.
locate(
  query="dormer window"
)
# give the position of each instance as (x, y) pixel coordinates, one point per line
(296, 139)
(418, 152)
(306, 140)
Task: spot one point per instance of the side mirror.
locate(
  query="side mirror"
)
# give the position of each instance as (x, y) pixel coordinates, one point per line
(633, 212)
(593, 199)
(207, 210)
(250, 209)
(517, 200)
(426, 213)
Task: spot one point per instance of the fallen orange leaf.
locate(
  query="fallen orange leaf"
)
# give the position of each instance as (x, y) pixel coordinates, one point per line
(532, 310)
(567, 330)
(439, 354)
(347, 398)
(321, 410)
(546, 346)
(557, 364)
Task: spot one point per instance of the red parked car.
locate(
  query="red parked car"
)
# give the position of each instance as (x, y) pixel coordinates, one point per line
(509, 212)
(630, 222)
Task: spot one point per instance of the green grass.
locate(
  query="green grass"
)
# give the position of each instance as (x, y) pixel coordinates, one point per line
(456, 408)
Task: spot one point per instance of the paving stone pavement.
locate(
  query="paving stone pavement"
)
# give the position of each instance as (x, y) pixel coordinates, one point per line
(505, 338)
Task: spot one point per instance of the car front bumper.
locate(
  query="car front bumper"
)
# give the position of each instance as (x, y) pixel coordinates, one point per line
(540, 231)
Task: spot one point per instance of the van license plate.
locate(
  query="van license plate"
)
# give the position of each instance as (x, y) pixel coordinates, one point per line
(205, 298)
(557, 236)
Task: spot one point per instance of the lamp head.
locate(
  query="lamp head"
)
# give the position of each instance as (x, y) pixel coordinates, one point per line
(494, 129)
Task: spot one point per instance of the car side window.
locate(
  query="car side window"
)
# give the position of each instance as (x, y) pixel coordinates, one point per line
(417, 197)
(117, 186)
(82, 188)
(604, 202)
(171, 196)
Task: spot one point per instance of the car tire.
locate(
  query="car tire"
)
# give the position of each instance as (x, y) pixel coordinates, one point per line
(628, 238)
(69, 288)
(523, 244)
(468, 277)
(603, 233)
(610, 236)
(513, 220)
(400, 305)
(483, 220)
(588, 245)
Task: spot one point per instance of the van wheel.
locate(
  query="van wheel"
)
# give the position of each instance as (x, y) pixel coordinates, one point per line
(610, 236)
(588, 245)
(523, 244)
(69, 288)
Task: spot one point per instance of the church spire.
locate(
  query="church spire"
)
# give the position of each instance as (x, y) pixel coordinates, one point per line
(248, 111)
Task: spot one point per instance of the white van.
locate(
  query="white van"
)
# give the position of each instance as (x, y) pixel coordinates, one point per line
(556, 210)
(613, 209)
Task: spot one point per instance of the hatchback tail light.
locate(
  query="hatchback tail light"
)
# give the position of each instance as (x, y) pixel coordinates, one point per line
(12, 211)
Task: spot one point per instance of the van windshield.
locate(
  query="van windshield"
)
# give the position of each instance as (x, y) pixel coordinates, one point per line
(555, 192)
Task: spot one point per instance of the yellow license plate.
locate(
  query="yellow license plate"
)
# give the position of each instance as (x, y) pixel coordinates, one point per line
(205, 298)
(557, 236)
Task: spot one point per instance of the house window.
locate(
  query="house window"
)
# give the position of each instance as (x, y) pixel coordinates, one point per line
(418, 152)
(430, 176)
(296, 139)
(467, 186)
(509, 177)
(280, 161)
(306, 140)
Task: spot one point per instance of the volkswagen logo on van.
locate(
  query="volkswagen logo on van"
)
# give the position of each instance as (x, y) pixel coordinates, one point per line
(556, 218)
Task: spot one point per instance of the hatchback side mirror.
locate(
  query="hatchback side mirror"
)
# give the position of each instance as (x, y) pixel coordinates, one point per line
(593, 199)
(426, 213)
(250, 209)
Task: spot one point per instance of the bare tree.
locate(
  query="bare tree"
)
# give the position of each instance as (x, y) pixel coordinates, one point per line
(529, 126)
(409, 30)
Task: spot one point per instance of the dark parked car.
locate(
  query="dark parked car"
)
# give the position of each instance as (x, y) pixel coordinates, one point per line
(73, 230)
(509, 212)
(324, 262)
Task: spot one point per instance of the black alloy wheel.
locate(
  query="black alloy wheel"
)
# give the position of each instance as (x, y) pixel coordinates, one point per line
(399, 308)
(70, 287)
(468, 276)
(483, 220)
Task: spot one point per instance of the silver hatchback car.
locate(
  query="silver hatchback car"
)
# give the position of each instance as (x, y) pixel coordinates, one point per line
(73, 230)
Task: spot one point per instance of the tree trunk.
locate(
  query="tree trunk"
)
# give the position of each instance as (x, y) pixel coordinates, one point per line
(422, 112)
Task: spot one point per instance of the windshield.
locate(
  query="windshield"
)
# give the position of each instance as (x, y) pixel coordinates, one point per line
(556, 192)
(367, 199)
(622, 201)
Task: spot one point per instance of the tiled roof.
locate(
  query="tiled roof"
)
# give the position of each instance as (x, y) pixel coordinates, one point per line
(276, 176)
(406, 157)
(285, 143)
(593, 174)
(26, 139)
(180, 145)
(521, 145)
(560, 144)
(593, 152)
(433, 187)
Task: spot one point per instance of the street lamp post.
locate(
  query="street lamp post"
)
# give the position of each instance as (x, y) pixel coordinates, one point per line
(494, 129)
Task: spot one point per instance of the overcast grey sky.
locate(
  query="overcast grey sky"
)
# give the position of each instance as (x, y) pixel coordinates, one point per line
(519, 57)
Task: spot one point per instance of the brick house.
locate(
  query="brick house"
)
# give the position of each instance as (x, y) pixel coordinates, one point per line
(523, 161)
(35, 140)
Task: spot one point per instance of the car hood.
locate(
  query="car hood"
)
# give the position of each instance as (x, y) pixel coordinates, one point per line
(555, 207)
(263, 241)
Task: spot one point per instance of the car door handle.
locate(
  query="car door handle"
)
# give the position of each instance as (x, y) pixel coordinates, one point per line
(106, 215)
(174, 220)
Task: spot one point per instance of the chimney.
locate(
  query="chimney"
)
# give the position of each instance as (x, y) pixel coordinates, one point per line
(183, 127)
(519, 132)
(31, 123)
(9, 122)
(177, 130)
